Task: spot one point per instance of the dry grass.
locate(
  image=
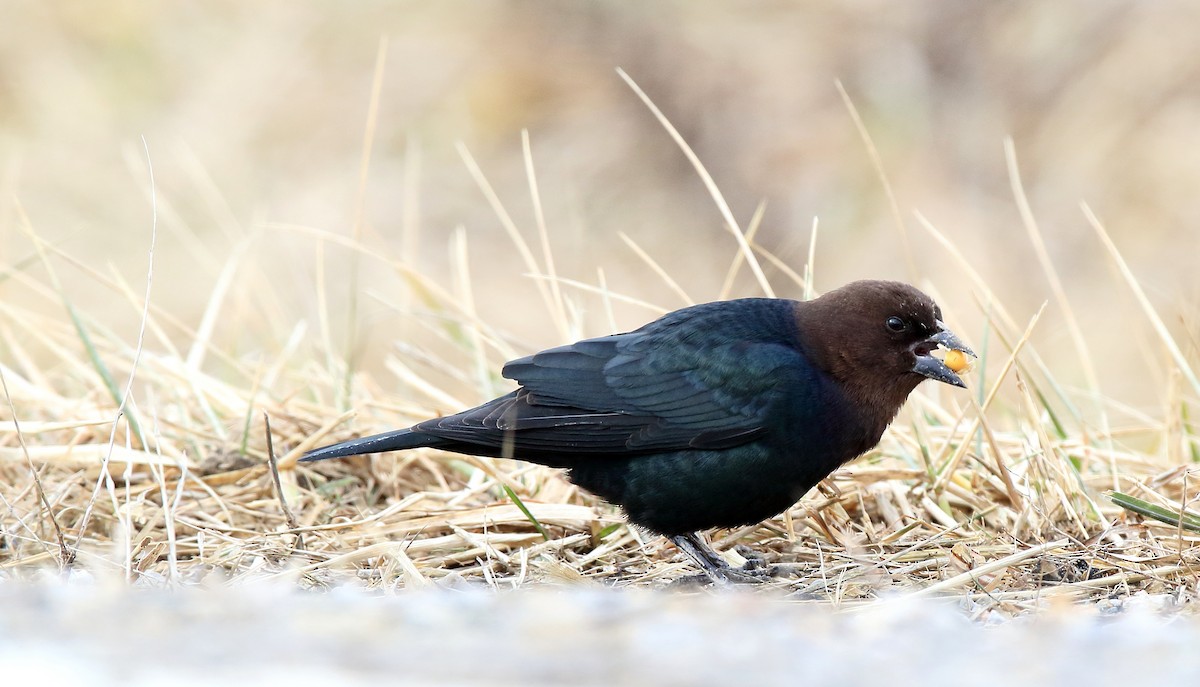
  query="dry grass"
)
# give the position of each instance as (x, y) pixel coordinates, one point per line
(141, 451)
(130, 455)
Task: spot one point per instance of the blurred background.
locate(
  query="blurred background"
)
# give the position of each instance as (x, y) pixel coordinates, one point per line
(256, 115)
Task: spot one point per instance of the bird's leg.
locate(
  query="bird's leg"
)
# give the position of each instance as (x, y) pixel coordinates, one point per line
(691, 544)
(711, 562)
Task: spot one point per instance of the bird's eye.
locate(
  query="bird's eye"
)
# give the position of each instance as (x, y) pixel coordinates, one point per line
(896, 324)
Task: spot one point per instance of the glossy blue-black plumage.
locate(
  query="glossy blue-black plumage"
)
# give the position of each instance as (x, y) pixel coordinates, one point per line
(719, 414)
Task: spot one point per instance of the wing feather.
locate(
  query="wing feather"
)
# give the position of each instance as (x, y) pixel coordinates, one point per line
(698, 378)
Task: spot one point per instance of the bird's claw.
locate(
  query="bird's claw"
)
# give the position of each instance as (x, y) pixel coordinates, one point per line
(745, 575)
(755, 561)
(754, 571)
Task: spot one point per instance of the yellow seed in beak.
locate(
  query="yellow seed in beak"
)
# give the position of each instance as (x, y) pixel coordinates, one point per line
(957, 361)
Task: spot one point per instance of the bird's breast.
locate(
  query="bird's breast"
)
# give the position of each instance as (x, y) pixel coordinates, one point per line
(818, 428)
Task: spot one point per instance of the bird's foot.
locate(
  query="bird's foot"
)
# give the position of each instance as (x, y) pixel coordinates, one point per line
(746, 575)
(719, 572)
(755, 561)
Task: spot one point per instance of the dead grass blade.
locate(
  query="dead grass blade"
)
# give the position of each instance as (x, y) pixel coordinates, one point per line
(711, 185)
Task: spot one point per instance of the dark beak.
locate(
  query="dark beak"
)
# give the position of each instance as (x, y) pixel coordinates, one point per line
(934, 368)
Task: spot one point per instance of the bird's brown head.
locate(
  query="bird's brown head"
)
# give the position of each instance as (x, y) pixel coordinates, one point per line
(878, 338)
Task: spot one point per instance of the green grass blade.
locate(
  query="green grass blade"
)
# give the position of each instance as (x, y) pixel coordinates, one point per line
(1059, 430)
(520, 504)
(1193, 449)
(102, 369)
(1185, 519)
(609, 530)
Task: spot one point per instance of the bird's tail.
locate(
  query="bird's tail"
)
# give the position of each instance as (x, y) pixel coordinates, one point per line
(378, 443)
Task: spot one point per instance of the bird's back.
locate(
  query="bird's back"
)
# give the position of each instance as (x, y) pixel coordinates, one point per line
(703, 377)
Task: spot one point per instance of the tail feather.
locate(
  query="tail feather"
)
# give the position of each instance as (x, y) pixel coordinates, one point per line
(378, 443)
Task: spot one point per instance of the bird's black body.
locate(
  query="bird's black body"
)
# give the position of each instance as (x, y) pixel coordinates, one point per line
(716, 415)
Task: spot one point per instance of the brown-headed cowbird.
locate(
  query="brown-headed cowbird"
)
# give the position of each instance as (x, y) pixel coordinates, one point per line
(717, 415)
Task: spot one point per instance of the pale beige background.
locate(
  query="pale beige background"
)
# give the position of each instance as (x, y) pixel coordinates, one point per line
(255, 114)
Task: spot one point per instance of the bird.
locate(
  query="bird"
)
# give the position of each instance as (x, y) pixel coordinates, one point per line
(717, 415)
